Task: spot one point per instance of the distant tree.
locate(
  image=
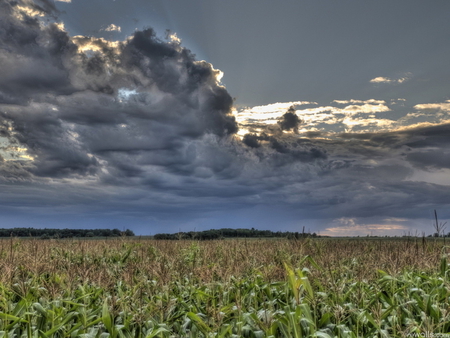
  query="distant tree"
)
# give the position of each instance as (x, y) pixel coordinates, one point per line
(45, 236)
(128, 232)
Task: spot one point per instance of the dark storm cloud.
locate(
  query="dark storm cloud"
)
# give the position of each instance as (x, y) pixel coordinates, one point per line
(67, 107)
(418, 137)
(426, 148)
(251, 140)
(283, 150)
(288, 147)
(174, 70)
(32, 58)
(290, 120)
(369, 174)
(14, 172)
(433, 159)
(432, 136)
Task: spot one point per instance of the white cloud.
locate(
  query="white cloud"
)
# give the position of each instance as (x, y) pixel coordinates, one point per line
(359, 114)
(427, 113)
(440, 106)
(441, 176)
(275, 107)
(172, 37)
(350, 115)
(366, 108)
(93, 44)
(371, 101)
(395, 219)
(267, 114)
(66, 1)
(20, 11)
(113, 28)
(382, 79)
(124, 94)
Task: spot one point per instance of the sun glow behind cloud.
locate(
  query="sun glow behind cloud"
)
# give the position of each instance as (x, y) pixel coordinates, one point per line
(11, 152)
(445, 106)
(21, 12)
(366, 230)
(93, 44)
(353, 227)
(339, 116)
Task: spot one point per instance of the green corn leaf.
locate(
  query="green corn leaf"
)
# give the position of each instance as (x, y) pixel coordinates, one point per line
(311, 261)
(67, 319)
(156, 332)
(106, 316)
(443, 266)
(199, 322)
(370, 319)
(325, 319)
(319, 334)
(38, 307)
(15, 319)
(307, 286)
(225, 331)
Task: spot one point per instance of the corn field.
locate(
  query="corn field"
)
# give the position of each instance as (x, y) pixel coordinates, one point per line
(224, 288)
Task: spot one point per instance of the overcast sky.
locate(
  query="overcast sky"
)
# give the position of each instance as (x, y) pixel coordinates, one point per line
(161, 116)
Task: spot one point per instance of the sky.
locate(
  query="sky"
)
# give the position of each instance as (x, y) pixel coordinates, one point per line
(165, 116)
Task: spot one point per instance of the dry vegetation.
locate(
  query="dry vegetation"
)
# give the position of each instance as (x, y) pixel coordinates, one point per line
(225, 288)
(103, 262)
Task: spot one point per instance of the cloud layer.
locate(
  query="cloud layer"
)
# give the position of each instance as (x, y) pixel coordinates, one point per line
(140, 129)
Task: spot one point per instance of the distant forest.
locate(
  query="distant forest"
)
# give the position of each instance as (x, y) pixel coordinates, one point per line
(233, 233)
(63, 233)
(196, 235)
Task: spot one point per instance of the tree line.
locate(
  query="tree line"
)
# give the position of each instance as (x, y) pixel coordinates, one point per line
(63, 233)
(234, 233)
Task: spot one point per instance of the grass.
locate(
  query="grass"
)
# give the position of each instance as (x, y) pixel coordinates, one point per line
(234, 288)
